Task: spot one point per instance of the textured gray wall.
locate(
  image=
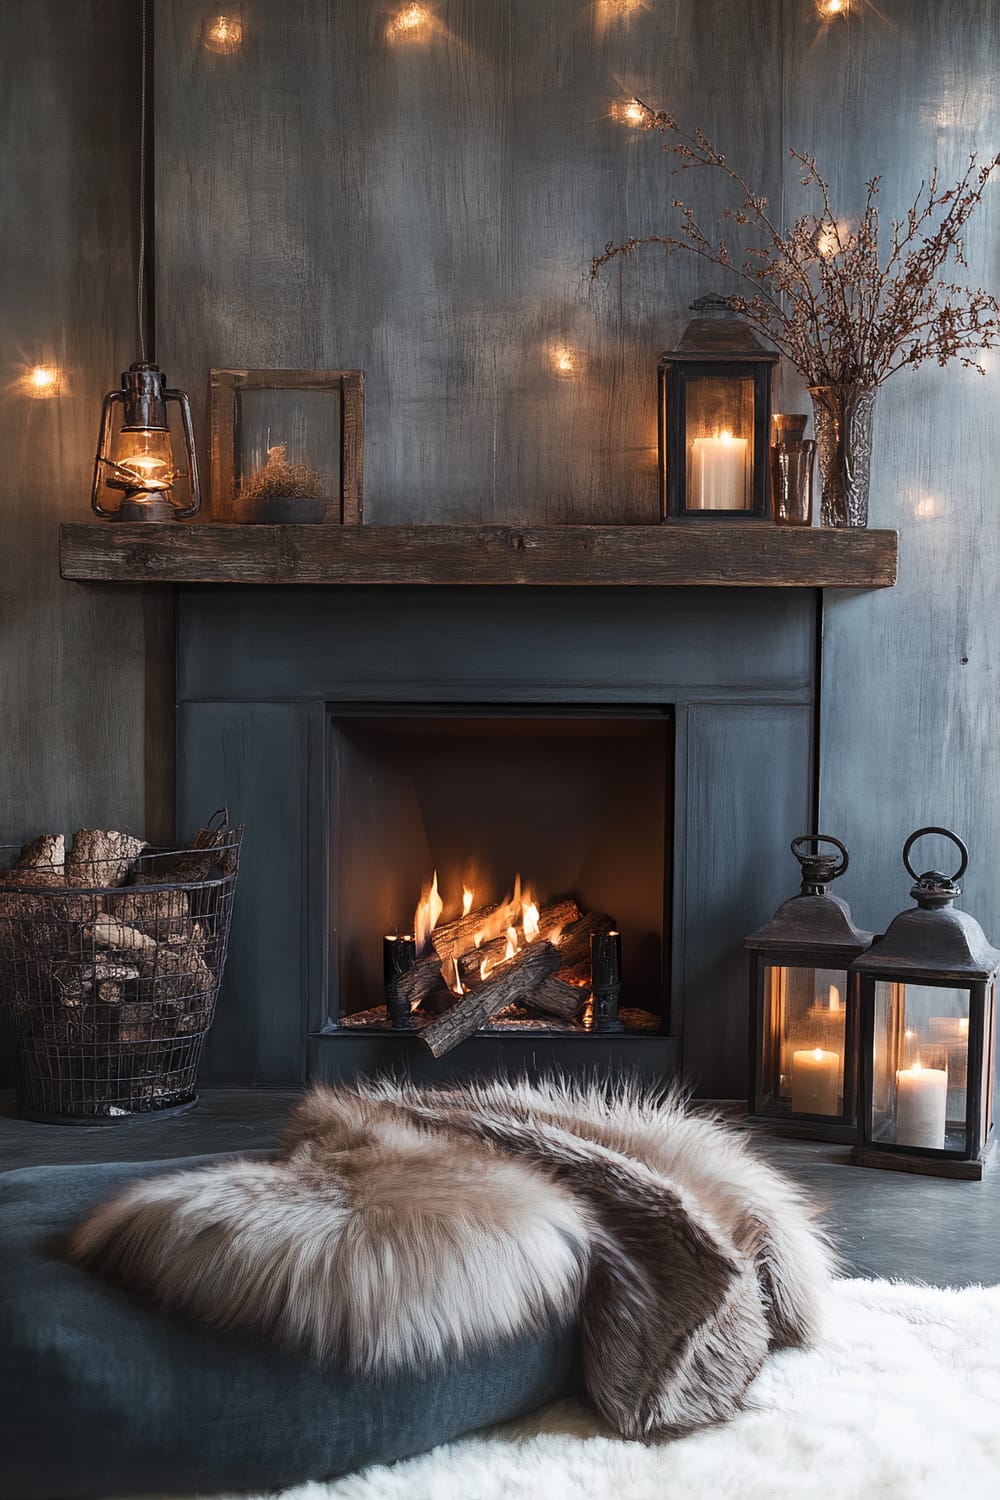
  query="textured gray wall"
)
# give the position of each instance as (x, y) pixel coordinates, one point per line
(427, 211)
(911, 709)
(74, 690)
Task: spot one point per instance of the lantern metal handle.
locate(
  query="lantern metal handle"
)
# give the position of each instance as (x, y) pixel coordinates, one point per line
(945, 833)
(821, 838)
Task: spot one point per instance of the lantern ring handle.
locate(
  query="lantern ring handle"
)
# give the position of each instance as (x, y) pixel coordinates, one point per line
(823, 838)
(945, 833)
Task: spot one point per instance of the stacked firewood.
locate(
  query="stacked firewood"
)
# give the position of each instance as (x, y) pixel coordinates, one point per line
(101, 944)
(479, 967)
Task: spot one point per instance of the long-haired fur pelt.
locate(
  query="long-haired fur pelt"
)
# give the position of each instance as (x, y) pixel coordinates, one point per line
(399, 1226)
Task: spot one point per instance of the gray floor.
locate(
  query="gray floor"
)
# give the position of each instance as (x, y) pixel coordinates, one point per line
(888, 1224)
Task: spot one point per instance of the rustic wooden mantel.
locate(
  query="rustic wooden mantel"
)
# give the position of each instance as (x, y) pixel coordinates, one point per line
(744, 554)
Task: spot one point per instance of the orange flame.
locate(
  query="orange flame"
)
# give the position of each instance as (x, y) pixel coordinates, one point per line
(427, 914)
(467, 899)
(529, 920)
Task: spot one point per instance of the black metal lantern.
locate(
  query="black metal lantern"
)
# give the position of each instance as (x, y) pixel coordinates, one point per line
(804, 1004)
(714, 419)
(927, 1006)
(137, 455)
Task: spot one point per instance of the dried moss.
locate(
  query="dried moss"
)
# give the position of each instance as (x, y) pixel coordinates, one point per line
(280, 480)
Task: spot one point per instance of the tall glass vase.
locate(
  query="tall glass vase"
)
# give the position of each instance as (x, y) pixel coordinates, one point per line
(843, 415)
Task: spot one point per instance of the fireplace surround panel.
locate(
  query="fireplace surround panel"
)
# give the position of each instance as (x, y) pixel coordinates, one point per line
(689, 715)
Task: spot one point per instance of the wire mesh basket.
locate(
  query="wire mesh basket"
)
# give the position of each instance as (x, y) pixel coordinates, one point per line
(110, 966)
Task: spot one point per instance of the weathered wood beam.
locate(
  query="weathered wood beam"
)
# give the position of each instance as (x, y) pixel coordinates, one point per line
(743, 554)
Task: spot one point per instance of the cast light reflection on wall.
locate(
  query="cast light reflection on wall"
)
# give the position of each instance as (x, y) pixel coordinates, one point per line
(223, 34)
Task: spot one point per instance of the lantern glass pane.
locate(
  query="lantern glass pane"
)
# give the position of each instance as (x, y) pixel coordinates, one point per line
(719, 416)
(805, 1037)
(920, 1065)
(145, 460)
(988, 1064)
(289, 443)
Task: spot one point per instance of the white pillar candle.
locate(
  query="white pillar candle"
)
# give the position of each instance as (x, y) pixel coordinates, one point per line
(815, 1082)
(718, 473)
(921, 1107)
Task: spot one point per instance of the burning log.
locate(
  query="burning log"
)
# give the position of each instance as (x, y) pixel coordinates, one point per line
(551, 919)
(554, 997)
(574, 948)
(418, 983)
(511, 982)
(453, 939)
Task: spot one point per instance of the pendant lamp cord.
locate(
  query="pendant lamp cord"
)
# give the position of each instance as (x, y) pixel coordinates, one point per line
(140, 306)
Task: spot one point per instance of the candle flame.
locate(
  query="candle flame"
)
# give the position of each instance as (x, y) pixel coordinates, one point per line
(818, 1054)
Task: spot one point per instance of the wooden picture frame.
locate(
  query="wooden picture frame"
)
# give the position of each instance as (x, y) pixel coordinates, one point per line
(343, 505)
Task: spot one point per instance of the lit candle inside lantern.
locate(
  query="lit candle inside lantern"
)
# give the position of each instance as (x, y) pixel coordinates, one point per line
(718, 473)
(815, 1082)
(921, 1106)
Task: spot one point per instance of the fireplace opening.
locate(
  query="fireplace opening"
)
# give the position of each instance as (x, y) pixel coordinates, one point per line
(485, 831)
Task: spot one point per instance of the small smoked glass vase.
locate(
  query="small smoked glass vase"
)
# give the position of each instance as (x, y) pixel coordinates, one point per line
(792, 457)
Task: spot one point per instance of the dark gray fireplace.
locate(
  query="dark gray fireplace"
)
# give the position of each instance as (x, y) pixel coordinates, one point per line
(647, 752)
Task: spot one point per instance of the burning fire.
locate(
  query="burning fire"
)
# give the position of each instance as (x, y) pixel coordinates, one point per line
(428, 914)
(517, 917)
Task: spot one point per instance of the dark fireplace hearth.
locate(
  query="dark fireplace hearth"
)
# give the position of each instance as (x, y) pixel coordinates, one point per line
(645, 755)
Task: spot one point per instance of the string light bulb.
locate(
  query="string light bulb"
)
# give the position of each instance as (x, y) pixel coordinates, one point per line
(630, 112)
(223, 34)
(564, 361)
(411, 22)
(42, 381)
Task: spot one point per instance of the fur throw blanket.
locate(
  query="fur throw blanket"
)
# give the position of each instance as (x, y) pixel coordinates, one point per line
(399, 1226)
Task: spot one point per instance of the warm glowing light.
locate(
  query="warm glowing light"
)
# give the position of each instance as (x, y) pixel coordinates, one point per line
(467, 899)
(42, 381)
(630, 112)
(834, 998)
(511, 948)
(222, 34)
(529, 921)
(917, 1067)
(563, 360)
(455, 981)
(429, 909)
(925, 508)
(726, 438)
(833, 7)
(411, 21)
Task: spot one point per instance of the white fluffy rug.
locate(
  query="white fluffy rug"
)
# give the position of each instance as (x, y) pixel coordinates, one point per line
(901, 1402)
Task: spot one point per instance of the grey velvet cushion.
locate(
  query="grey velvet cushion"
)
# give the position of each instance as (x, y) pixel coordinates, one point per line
(102, 1395)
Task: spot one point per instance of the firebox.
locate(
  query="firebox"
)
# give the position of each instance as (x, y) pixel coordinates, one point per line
(484, 829)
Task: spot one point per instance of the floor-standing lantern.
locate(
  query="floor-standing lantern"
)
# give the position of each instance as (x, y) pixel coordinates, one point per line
(804, 1004)
(714, 419)
(927, 1005)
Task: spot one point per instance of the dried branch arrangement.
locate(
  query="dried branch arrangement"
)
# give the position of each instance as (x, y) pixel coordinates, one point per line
(845, 301)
